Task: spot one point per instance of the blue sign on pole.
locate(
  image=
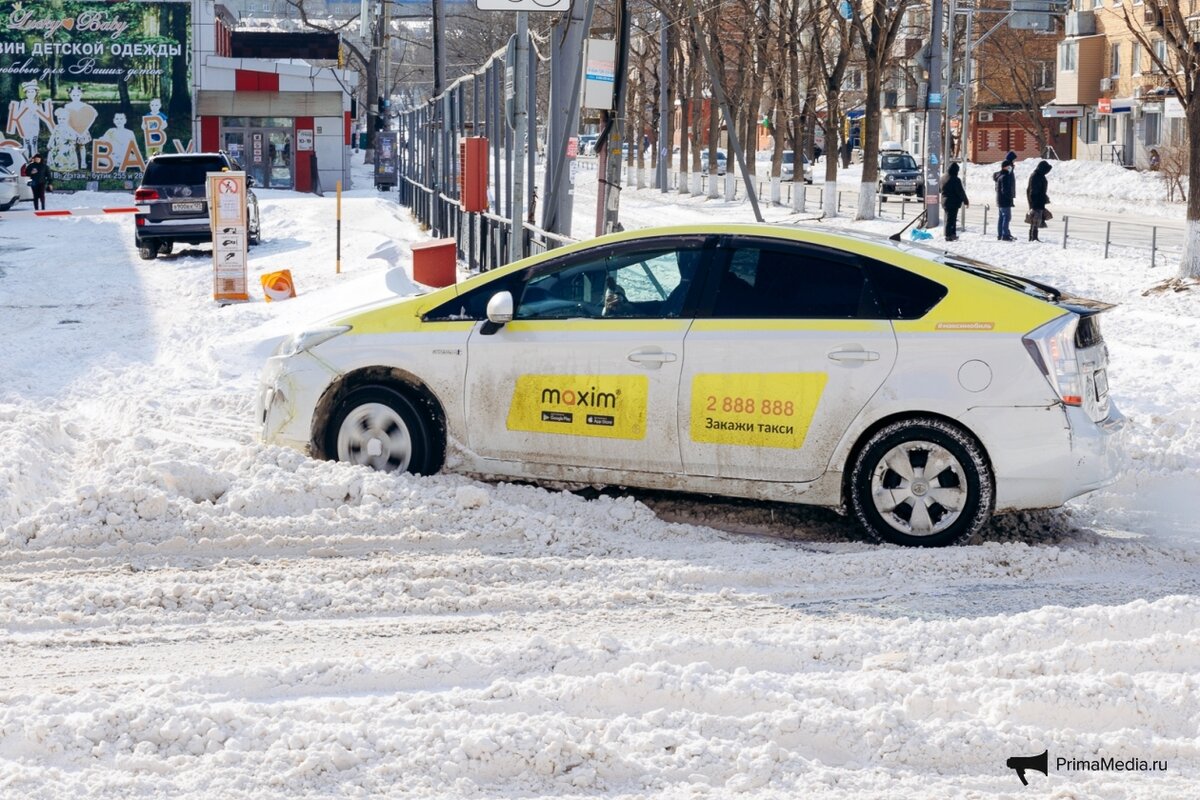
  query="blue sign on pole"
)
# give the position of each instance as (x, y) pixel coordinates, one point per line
(935, 98)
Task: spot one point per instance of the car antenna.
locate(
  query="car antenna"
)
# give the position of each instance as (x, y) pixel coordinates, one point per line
(895, 237)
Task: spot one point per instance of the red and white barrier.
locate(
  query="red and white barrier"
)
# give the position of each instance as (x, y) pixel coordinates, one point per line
(76, 212)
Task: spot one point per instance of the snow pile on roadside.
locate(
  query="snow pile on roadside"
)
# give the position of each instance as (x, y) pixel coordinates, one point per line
(816, 709)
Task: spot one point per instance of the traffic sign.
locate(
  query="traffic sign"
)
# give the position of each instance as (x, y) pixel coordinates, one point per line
(523, 5)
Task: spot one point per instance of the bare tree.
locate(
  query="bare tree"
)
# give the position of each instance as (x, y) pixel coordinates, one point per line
(834, 42)
(1010, 73)
(876, 24)
(1177, 66)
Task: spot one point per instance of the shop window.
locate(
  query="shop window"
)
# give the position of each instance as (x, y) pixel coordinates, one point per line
(1153, 131)
(1092, 128)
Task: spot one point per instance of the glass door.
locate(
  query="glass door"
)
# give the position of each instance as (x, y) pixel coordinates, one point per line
(280, 175)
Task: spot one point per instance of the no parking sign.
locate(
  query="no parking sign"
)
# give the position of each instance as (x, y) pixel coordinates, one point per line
(227, 215)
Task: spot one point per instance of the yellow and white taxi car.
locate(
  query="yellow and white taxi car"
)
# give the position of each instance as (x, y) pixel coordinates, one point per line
(919, 390)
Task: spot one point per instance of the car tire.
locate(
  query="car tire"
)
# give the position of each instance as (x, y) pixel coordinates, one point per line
(254, 238)
(914, 509)
(148, 251)
(380, 427)
(165, 248)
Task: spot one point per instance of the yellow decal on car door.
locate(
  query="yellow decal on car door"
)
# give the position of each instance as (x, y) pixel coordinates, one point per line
(610, 406)
(755, 409)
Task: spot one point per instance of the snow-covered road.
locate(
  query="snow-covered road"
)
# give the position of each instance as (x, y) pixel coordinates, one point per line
(186, 613)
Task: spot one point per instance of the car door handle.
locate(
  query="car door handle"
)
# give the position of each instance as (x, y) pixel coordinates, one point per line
(853, 355)
(651, 357)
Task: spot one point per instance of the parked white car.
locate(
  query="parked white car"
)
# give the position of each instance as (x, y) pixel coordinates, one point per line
(919, 390)
(13, 159)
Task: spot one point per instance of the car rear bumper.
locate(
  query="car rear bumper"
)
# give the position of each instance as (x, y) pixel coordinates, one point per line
(1043, 456)
(192, 231)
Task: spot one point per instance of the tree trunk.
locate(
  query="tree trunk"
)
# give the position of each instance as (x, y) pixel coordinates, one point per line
(1189, 266)
(833, 110)
(872, 119)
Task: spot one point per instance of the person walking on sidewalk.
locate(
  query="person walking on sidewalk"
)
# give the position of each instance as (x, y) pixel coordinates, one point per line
(1006, 195)
(954, 197)
(1036, 194)
(38, 173)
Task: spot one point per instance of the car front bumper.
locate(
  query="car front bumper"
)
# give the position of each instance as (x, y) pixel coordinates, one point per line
(1044, 456)
(288, 392)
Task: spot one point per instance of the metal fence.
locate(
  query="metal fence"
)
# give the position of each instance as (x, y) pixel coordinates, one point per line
(430, 169)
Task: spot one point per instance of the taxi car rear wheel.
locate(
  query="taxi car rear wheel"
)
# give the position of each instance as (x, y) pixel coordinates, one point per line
(921, 482)
(382, 428)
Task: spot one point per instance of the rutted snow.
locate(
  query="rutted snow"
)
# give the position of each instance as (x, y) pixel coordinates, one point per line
(188, 613)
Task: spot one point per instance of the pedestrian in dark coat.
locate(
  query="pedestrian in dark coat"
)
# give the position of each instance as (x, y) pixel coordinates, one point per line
(1006, 195)
(1035, 193)
(38, 173)
(954, 197)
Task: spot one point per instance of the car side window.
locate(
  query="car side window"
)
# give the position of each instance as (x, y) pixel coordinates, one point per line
(779, 283)
(646, 284)
(903, 294)
(472, 304)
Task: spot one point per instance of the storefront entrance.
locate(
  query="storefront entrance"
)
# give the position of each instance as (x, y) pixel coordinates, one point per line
(263, 145)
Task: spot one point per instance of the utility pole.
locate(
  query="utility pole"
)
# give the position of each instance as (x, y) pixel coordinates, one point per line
(608, 194)
(933, 119)
(664, 144)
(435, 112)
(947, 139)
(566, 77)
(516, 242)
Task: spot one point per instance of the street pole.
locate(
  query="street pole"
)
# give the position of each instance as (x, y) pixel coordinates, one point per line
(664, 144)
(439, 51)
(964, 133)
(947, 139)
(608, 194)
(933, 119)
(516, 242)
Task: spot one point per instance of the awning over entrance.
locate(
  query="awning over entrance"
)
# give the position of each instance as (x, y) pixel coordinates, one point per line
(1053, 111)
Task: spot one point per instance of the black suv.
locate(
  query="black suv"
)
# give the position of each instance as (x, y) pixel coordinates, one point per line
(173, 187)
(899, 174)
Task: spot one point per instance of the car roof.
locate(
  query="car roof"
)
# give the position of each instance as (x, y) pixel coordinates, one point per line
(186, 156)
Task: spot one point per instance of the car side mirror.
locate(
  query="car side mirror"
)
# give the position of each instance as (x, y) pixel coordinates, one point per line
(499, 312)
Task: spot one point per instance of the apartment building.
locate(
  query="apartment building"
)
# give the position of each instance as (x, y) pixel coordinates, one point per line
(1012, 76)
(1120, 104)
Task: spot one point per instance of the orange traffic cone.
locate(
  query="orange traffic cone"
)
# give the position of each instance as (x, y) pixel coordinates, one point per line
(278, 285)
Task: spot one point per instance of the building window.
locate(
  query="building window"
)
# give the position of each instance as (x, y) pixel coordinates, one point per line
(1098, 3)
(1067, 52)
(1160, 53)
(1092, 128)
(1045, 74)
(1153, 129)
(1115, 61)
(1114, 128)
(1135, 60)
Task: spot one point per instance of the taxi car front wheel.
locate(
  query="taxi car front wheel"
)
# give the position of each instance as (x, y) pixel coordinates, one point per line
(379, 427)
(921, 482)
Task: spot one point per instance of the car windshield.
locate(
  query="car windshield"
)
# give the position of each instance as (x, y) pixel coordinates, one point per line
(181, 171)
(898, 161)
(789, 157)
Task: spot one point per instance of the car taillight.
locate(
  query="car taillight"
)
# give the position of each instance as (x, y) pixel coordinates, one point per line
(145, 194)
(23, 173)
(1052, 348)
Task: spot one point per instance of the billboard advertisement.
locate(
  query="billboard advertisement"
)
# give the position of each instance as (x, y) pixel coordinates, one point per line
(96, 87)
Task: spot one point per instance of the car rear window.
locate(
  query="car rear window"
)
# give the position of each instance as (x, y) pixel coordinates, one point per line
(988, 272)
(181, 171)
(6, 160)
(903, 294)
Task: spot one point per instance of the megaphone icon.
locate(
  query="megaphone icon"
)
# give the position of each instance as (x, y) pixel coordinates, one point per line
(1022, 763)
